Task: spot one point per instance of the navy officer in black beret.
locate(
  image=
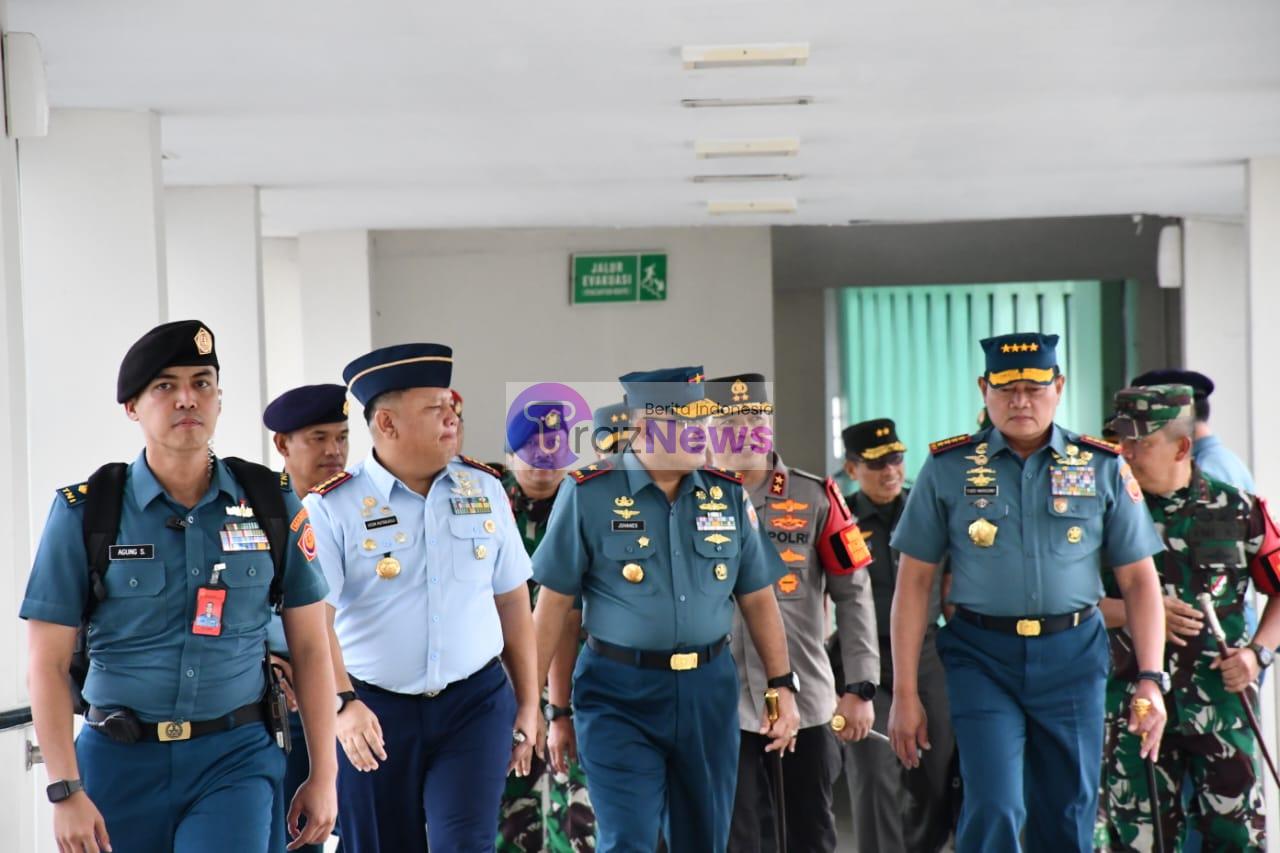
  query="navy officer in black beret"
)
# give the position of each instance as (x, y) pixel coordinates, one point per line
(310, 431)
(175, 753)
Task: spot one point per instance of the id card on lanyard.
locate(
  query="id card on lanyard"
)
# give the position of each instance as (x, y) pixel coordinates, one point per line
(210, 599)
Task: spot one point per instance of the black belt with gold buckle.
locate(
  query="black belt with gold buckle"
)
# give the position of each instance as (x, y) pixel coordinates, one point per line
(1026, 626)
(363, 686)
(167, 731)
(676, 661)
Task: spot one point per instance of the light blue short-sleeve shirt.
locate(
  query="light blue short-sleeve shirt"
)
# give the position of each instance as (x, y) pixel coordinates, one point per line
(429, 617)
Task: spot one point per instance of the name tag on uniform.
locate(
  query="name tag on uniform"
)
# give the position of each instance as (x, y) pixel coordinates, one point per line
(1074, 482)
(627, 526)
(470, 506)
(717, 522)
(375, 523)
(243, 536)
(981, 491)
(131, 552)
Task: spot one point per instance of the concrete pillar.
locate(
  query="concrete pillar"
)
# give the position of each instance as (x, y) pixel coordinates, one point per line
(213, 246)
(1263, 307)
(93, 282)
(337, 312)
(1215, 338)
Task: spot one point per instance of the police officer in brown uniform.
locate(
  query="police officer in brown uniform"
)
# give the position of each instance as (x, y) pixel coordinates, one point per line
(895, 808)
(816, 537)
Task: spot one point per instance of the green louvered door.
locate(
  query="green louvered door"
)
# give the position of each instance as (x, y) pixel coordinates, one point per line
(912, 353)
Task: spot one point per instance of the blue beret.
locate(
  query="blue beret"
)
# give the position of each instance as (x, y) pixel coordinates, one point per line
(534, 419)
(398, 367)
(1021, 357)
(672, 392)
(183, 343)
(608, 422)
(1200, 384)
(307, 406)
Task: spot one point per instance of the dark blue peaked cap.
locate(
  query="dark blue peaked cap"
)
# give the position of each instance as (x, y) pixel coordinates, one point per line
(672, 392)
(398, 367)
(306, 406)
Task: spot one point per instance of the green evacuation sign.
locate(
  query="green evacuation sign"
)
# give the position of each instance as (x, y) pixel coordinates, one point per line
(619, 278)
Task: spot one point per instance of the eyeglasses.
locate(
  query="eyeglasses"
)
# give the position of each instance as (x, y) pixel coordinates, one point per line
(883, 462)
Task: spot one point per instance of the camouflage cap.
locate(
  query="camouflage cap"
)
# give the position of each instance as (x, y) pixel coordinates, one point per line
(1148, 409)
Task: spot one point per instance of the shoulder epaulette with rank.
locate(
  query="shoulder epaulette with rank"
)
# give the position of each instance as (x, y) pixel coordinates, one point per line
(1101, 444)
(731, 476)
(330, 484)
(285, 485)
(476, 463)
(595, 469)
(74, 494)
(950, 443)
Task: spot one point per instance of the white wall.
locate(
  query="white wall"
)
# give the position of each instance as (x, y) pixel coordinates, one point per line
(500, 298)
(213, 250)
(282, 317)
(1215, 325)
(93, 282)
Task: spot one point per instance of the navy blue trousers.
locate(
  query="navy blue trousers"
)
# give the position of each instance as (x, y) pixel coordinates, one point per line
(1028, 720)
(446, 766)
(207, 795)
(660, 750)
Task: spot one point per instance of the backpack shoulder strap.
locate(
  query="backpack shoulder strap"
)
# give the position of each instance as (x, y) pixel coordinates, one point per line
(265, 490)
(103, 505)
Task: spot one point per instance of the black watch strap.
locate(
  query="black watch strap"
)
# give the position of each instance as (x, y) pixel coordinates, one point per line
(557, 712)
(344, 697)
(62, 789)
(864, 690)
(787, 680)
(1159, 679)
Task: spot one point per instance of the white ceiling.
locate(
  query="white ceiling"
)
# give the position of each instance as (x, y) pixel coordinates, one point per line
(385, 114)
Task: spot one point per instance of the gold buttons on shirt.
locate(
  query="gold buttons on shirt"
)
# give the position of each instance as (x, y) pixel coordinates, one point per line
(401, 538)
(633, 573)
(489, 525)
(481, 551)
(1074, 535)
(369, 544)
(1059, 505)
(722, 571)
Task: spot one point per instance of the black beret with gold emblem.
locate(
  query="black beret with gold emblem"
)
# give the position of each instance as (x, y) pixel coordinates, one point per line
(306, 406)
(741, 393)
(182, 343)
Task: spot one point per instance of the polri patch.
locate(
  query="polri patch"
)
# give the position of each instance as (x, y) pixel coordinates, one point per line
(131, 552)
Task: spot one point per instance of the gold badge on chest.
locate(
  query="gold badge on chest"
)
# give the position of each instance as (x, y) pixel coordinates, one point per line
(388, 567)
(983, 533)
(633, 573)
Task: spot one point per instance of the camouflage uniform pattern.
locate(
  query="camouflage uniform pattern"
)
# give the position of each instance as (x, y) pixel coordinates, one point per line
(570, 824)
(1211, 531)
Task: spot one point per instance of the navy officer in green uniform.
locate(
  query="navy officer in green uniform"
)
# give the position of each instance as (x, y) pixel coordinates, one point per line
(660, 547)
(175, 754)
(1029, 514)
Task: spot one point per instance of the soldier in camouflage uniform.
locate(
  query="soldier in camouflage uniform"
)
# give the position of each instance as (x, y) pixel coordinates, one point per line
(1213, 533)
(549, 808)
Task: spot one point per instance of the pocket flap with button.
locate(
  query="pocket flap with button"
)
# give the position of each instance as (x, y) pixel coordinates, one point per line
(625, 548)
(715, 550)
(129, 578)
(472, 526)
(247, 569)
(1075, 506)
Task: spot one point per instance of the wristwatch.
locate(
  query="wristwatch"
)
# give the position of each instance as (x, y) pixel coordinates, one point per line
(1265, 655)
(790, 680)
(1159, 679)
(556, 712)
(864, 690)
(344, 697)
(60, 790)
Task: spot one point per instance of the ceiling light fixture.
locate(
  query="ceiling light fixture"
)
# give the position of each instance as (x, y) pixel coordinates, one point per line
(777, 205)
(707, 149)
(744, 179)
(771, 101)
(744, 55)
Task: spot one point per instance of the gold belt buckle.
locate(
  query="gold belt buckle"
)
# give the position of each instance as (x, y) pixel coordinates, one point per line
(171, 730)
(1028, 627)
(686, 661)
